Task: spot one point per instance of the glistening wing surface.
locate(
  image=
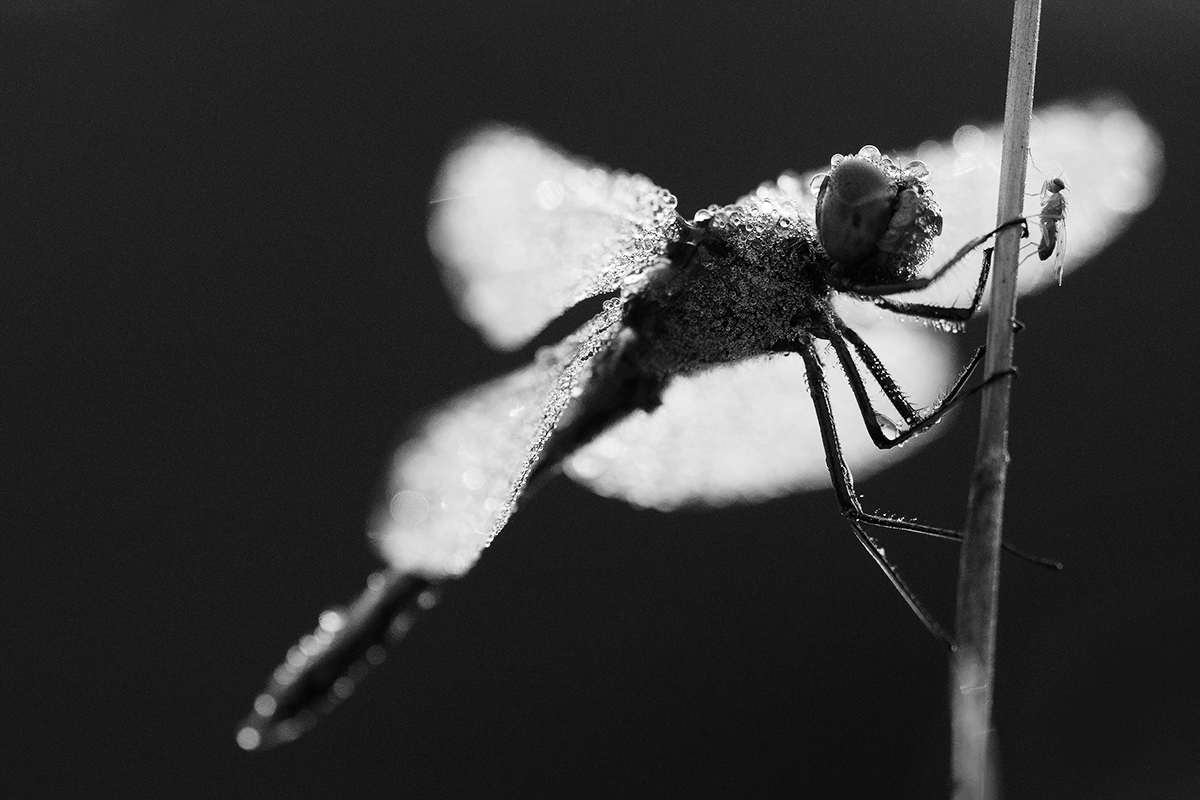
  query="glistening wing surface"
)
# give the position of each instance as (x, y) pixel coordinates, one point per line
(455, 483)
(524, 231)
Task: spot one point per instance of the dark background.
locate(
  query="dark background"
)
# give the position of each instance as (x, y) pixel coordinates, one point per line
(217, 310)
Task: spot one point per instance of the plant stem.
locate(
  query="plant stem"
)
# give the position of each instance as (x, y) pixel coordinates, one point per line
(972, 661)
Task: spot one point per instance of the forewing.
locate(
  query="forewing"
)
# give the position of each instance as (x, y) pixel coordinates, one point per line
(747, 432)
(455, 484)
(525, 231)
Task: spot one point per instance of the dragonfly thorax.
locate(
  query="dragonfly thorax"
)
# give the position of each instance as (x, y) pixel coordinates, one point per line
(729, 290)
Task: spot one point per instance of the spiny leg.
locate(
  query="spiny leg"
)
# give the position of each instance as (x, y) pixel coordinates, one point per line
(843, 485)
(943, 313)
(878, 371)
(922, 421)
(917, 421)
(840, 473)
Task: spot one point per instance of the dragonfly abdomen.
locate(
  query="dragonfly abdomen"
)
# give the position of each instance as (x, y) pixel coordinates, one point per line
(324, 667)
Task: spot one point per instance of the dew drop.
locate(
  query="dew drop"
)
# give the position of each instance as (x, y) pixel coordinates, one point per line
(869, 151)
(400, 627)
(427, 599)
(969, 140)
(308, 647)
(918, 169)
(408, 508)
(248, 738)
(549, 194)
(788, 183)
(265, 705)
(473, 478)
(342, 688)
(332, 621)
(887, 424)
(814, 186)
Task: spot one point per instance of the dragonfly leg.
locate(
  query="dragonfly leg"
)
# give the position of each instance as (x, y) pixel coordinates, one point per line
(944, 313)
(843, 485)
(839, 472)
(917, 421)
(851, 507)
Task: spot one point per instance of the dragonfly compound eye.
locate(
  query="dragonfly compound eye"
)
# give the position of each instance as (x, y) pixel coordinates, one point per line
(854, 209)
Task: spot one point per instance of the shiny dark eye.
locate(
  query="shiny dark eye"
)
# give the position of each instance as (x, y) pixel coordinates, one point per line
(854, 209)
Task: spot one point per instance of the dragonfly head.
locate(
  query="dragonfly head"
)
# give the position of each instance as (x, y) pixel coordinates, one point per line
(875, 219)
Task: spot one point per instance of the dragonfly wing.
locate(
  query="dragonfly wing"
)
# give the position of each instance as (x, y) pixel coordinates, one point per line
(525, 231)
(1108, 155)
(454, 485)
(747, 432)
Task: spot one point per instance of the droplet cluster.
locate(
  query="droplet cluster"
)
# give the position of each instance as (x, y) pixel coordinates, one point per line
(915, 219)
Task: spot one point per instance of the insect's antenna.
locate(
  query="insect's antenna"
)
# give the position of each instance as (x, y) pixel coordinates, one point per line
(1033, 163)
(1041, 171)
(325, 666)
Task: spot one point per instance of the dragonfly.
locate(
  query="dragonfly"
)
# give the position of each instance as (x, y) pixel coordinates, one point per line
(685, 389)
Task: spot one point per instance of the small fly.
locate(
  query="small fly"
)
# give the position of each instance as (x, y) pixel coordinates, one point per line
(1052, 220)
(680, 391)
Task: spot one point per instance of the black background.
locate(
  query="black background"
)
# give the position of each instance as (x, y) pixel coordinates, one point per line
(217, 309)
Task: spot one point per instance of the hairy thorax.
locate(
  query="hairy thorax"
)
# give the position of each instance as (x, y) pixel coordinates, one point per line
(726, 292)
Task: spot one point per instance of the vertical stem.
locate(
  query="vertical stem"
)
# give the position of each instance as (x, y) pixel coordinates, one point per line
(972, 662)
